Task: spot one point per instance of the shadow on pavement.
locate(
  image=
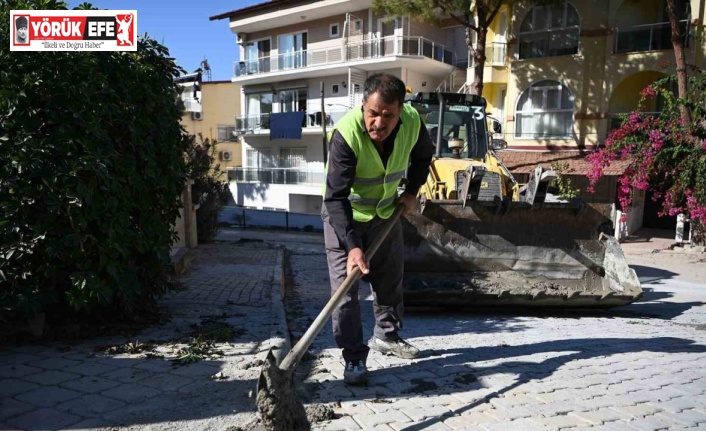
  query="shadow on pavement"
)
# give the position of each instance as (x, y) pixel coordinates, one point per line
(651, 275)
(564, 352)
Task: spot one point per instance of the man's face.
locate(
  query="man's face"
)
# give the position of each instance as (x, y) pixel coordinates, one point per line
(380, 118)
(22, 32)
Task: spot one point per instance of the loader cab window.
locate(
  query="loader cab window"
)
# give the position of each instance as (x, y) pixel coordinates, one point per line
(463, 123)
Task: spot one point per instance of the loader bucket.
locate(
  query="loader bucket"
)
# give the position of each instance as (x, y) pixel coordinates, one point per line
(552, 256)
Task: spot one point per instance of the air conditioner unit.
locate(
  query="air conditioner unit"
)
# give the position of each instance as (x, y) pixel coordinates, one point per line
(241, 38)
(226, 155)
(197, 116)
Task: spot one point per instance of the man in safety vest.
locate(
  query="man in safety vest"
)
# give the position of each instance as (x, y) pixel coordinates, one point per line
(370, 150)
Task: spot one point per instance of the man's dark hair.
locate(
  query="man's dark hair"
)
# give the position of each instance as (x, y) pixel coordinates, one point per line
(390, 88)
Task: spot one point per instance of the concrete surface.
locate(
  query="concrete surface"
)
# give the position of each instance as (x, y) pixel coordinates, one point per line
(635, 368)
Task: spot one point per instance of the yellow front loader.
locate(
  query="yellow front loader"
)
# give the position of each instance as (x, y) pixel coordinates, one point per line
(483, 239)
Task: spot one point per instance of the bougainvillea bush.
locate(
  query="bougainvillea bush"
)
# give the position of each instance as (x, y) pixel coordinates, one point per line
(666, 155)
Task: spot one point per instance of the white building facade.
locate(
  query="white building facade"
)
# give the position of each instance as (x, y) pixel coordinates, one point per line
(299, 56)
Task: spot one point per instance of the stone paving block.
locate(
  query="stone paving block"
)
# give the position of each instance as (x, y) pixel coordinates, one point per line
(665, 394)
(90, 405)
(197, 370)
(675, 405)
(44, 419)
(343, 424)
(48, 396)
(17, 370)
(386, 405)
(685, 417)
(88, 425)
(21, 358)
(12, 387)
(651, 423)
(51, 377)
(354, 408)
(166, 382)
(435, 412)
(468, 419)
(598, 417)
(554, 408)
(90, 384)
(130, 393)
(155, 365)
(118, 361)
(638, 411)
(509, 414)
(335, 392)
(634, 398)
(127, 375)
(56, 363)
(10, 408)
(599, 402)
(436, 400)
(425, 425)
(370, 420)
(558, 422)
(519, 424)
(473, 396)
(90, 369)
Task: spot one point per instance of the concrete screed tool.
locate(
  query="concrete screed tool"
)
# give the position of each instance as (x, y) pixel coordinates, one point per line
(277, 403)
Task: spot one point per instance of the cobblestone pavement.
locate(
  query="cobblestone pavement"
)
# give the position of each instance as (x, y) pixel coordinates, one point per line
(639, 367)
(80, 386)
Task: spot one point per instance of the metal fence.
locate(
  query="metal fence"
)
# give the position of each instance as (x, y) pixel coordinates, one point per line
(253, 218)
(276, 175)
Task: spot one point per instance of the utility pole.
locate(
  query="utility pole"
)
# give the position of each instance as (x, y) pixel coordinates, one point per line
(323, 122)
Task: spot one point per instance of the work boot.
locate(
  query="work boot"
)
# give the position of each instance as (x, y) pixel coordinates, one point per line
(356, 373)
(398, 347)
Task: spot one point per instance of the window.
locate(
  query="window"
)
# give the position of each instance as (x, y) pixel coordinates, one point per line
(333, 30)
(292, 100)
(549, 30)
(292, 51)
(259, 108)
(226, 133)
(545, 110)
(257, 56)
(334, 89)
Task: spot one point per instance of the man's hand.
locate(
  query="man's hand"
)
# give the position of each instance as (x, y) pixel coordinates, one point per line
(410, 202)
(356, 257)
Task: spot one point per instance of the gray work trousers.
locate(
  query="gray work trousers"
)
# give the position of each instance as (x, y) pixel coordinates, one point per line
(385, 278)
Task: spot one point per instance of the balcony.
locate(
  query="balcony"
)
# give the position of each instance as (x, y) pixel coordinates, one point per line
(648, 37)
(276, 175)
(255, 124)
(390, 46)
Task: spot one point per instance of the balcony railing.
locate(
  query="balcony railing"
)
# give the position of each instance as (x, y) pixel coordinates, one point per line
(312, 119)
(648, 37)
(354, 51)
(276, 175)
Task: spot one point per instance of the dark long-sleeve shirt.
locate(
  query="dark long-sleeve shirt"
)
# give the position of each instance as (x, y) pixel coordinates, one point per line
(341, 174)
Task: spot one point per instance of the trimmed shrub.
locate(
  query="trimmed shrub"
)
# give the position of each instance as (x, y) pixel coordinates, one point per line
(91, 169)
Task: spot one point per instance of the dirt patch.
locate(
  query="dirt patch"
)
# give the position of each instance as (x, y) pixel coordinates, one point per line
(503, 282)
(319, 413)
(466, 378)
(420, 385)
(278, 405)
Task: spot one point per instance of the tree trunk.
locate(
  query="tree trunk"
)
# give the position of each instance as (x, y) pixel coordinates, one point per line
(698, 232)
(678, 45)
(479, 62)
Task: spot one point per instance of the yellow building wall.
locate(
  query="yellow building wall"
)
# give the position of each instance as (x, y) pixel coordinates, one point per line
(600, 81)
(221, 104)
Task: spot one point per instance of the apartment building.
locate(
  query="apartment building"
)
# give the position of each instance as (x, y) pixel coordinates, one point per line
(313, 58)
(558, 75)
(209, 109)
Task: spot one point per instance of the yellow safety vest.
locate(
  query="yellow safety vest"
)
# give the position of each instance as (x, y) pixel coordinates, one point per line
(374, 190)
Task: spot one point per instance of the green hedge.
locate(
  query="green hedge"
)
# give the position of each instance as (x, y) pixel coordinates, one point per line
(92, 164)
